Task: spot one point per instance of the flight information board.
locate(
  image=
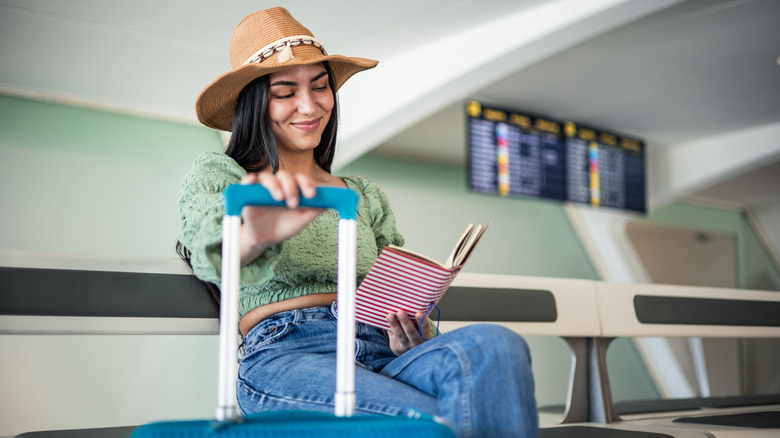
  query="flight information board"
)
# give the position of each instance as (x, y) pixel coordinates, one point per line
(515, 154)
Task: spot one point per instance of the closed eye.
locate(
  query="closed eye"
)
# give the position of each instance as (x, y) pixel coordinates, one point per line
(318, 83)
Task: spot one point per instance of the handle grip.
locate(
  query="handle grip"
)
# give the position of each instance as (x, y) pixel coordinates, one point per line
(238, 196)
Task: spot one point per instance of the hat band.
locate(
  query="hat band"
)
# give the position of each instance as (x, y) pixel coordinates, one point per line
(282, 44)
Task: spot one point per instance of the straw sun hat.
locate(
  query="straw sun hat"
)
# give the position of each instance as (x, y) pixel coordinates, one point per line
(265, 42)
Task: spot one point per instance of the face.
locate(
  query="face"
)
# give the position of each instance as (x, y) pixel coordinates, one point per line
(300, 102)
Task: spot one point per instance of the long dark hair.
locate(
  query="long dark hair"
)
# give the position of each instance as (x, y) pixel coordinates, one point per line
(253, 144)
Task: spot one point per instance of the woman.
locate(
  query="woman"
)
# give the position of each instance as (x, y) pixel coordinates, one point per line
(280, 102)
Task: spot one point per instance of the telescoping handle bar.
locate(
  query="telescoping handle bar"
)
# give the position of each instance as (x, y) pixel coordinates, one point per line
(238, 196)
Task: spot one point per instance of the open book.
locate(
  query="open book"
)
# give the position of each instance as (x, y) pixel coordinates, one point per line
(401, 279)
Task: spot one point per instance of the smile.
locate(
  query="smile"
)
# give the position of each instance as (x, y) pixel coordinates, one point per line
(308, 125)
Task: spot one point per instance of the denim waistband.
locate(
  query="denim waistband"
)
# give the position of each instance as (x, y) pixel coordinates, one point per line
(296, 315)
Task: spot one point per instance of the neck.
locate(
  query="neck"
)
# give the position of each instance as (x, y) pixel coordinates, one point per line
(306, 165)
(300, 163)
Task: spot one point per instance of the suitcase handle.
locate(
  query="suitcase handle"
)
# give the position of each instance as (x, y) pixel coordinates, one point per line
(237, 196)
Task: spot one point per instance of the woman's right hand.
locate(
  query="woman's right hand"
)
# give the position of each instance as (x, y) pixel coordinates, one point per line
(403, 333)
(266, 226)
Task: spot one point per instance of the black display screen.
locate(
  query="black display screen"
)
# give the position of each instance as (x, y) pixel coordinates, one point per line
(515, 154)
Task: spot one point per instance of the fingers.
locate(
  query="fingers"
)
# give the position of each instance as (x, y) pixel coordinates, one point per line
(425, 326)
(308, 189)
(283, 186)
(409, 326)
(404, 334)
(395, 325)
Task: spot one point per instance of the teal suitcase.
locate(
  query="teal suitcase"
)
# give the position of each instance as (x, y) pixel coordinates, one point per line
(342, 423)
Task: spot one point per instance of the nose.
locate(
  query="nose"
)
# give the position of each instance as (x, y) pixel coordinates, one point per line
(306, 103)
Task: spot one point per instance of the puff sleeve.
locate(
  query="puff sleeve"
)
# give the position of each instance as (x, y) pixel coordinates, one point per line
(381, 215)
(201, 207)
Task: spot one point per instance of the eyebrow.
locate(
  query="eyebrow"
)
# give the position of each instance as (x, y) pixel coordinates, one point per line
(293, 84)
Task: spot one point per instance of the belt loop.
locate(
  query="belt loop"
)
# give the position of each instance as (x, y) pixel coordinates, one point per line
(297, 315)
(241, 347)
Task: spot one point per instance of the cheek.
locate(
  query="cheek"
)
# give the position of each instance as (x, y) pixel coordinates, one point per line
(326, 103)
(278, 112)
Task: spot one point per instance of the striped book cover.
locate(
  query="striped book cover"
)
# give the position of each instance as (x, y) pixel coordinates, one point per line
(404, 280)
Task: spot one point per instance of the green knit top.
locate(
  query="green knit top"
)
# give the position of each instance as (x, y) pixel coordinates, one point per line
(302, 265)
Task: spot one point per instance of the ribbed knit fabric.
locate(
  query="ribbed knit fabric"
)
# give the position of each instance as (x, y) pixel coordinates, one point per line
(302, 265)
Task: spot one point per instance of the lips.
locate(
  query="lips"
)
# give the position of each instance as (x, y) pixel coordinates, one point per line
(308, 125)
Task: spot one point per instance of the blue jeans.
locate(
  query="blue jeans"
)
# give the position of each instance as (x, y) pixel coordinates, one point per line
(477, 378)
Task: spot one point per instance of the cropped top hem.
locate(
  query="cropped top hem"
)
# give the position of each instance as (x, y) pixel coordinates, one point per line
(247, 302)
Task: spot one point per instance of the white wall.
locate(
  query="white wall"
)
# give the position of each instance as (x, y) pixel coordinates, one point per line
(78, 181)
(53, 382)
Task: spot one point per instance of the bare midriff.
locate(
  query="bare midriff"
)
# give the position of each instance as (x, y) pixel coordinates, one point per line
(258, 314)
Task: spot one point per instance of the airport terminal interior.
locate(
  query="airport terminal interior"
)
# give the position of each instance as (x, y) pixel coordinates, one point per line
(626, 154)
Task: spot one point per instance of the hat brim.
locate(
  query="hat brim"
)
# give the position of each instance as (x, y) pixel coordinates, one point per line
(216, 104)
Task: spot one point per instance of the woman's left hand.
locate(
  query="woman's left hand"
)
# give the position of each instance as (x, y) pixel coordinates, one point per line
(403, 334)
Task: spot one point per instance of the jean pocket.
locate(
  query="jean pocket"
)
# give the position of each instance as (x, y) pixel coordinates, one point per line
(264, 336)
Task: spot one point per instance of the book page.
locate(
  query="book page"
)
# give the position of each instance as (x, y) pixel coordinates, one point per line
(469, 245)
(459, 246)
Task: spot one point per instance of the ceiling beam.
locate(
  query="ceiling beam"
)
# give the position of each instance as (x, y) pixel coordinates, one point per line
(685, 168)
(418, 82)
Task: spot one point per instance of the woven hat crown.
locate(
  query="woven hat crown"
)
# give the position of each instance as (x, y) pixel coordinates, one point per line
(261, 29)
